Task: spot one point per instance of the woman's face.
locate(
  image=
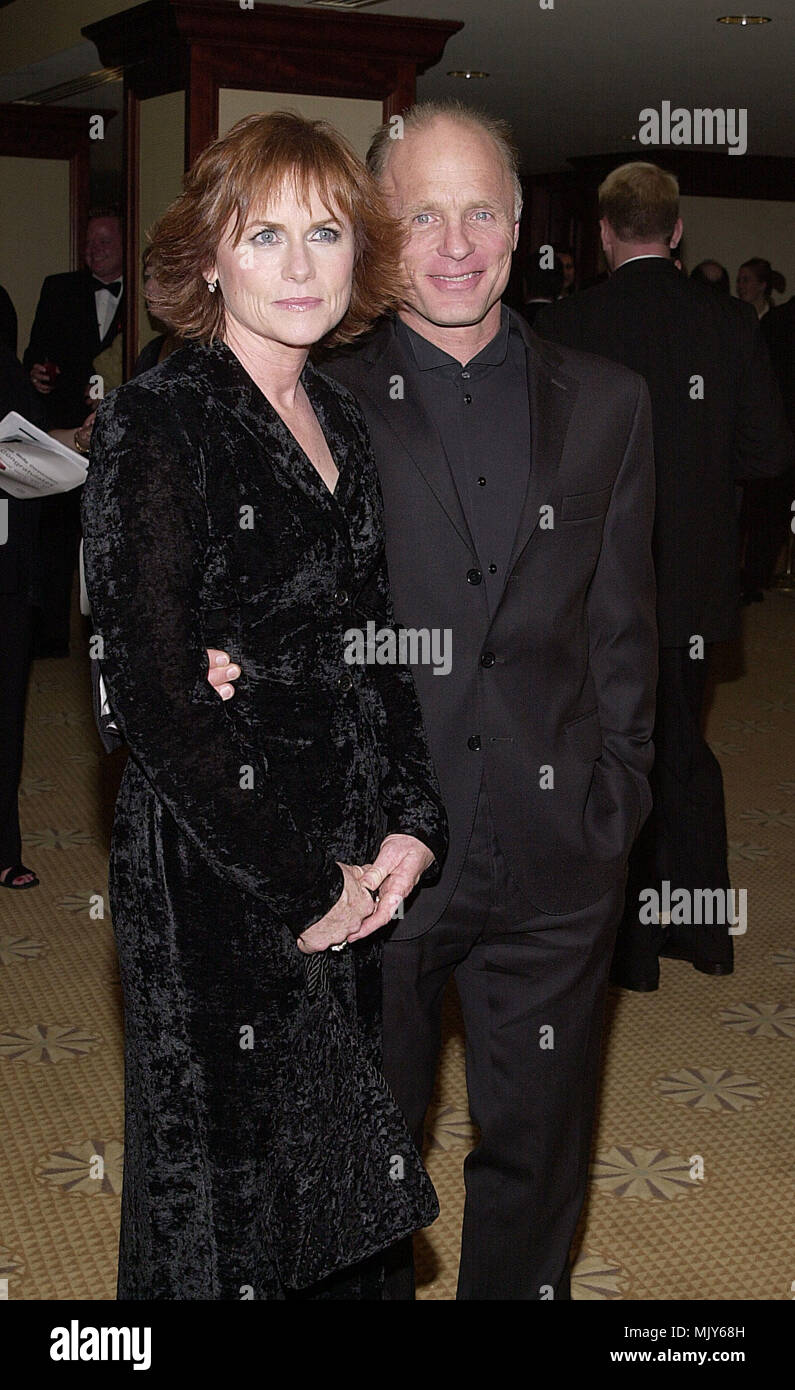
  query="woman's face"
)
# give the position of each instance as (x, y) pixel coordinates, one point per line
(288, 280)
(749, 287)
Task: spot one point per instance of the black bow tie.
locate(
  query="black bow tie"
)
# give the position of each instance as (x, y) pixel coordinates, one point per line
(114, 287)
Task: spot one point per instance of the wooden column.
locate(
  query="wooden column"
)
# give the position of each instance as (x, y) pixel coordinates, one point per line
(55, 132)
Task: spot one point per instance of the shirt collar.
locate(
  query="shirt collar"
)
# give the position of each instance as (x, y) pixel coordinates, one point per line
(427, 355)
(653, 256)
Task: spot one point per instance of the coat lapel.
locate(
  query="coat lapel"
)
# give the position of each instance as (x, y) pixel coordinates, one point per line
(88, 308)
(552, 397)
(225, 379)
(113, 328)
(409, 423)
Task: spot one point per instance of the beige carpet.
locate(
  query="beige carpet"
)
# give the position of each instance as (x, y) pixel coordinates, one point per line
(698, 1079)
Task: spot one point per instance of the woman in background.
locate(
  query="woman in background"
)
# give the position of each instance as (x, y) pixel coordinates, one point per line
(159, 347)
(756, 282)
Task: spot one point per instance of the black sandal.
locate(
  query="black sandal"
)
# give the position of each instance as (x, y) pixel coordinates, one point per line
(16, 871)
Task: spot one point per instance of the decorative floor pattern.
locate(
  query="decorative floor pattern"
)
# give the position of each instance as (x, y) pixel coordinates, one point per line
(693, 1180)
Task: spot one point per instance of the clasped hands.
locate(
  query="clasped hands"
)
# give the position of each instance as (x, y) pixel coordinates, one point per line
(400, 863)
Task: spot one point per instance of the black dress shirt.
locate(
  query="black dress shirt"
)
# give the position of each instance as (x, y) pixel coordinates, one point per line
(482, 413)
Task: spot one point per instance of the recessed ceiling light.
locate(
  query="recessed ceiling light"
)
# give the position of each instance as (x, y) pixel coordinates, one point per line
(466, 72)
(744, 19)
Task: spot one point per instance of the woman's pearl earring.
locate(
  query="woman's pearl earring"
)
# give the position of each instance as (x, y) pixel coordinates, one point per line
(212, 285)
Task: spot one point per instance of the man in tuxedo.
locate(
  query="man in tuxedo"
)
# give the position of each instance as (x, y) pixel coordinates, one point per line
(518, 488)
(717, 419)
(76, 333)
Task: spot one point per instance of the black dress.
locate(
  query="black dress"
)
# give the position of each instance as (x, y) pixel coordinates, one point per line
(206, 525)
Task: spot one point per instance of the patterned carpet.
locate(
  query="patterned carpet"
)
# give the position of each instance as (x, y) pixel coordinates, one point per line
(692, 1193)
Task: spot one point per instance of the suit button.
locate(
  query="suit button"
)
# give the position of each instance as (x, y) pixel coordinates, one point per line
(473, 743)
(344, 682)
(488, 659)
(341, 598)
(474, 577)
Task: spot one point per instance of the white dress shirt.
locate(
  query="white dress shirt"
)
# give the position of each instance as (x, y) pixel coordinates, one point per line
(106, 305)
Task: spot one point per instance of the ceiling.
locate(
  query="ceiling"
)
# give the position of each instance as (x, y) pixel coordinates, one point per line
(572, 79)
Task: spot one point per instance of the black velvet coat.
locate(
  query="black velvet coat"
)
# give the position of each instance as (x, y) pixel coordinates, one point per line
(262, 1150)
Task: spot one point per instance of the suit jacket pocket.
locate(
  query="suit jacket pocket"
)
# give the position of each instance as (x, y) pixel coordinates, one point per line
(585, 506)
(584, 736)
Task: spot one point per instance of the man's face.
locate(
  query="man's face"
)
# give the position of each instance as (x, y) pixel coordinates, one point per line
(450, 188)
(104, 252)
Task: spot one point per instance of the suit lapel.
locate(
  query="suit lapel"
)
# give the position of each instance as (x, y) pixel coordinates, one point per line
(552, 397)
(408, 421)
(89, 306)
(113, 327)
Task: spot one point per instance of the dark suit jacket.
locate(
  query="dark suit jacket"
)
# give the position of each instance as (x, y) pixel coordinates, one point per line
(572, 685)
(778, 331)
(65, 331)
(671, 329)
(8, 321)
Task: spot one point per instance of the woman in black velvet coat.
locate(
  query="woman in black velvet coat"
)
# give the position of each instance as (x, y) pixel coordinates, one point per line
(233, 490)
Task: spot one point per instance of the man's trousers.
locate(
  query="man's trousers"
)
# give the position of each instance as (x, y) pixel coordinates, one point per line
(532, 989)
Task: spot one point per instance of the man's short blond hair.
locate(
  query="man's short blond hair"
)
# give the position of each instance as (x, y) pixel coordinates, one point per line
(640, 201)
(423, 114)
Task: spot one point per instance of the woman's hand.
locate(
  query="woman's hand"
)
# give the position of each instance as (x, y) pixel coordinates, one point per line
(401, 862)
(82, 436)
(220, 673)
(346, 916)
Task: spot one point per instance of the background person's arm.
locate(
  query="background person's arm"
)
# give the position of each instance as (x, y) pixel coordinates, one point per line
(622, 624)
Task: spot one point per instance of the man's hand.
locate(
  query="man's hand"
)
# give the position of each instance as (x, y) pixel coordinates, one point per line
(401, 862)
(41, 378)
(344, 919)
(220, 673)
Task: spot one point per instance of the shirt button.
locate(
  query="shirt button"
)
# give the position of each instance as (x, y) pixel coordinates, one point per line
(473, 743)
(344, 682)
(488, 659)
(481, 482)
(474, 577)
(341, 598)
(467, 400)
(492, 569)
(466, 375)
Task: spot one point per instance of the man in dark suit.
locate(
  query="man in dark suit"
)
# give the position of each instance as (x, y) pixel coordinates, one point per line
(75, 334)
(717, 419)
(518, 489)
